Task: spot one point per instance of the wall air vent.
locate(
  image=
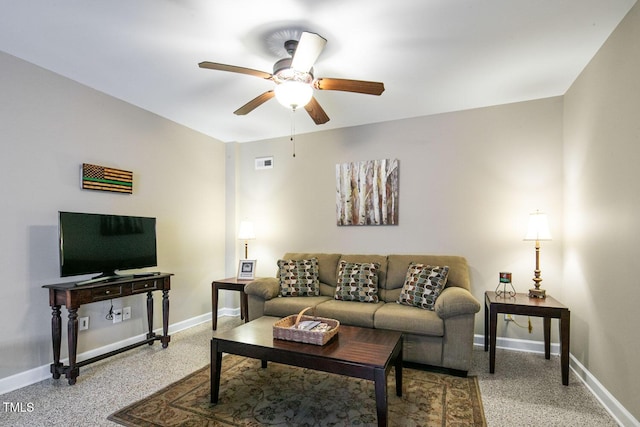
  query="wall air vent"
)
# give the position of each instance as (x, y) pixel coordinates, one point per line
(264, 162)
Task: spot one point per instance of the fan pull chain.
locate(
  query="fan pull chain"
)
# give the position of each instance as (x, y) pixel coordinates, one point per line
(293, 131)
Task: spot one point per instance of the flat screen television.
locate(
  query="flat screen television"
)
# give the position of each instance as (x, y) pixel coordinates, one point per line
(97, 243)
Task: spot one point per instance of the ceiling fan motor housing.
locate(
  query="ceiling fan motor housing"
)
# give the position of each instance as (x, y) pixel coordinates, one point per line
(282, 72)
(290, 46)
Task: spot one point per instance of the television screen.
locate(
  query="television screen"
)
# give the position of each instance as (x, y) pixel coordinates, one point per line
(96, 243)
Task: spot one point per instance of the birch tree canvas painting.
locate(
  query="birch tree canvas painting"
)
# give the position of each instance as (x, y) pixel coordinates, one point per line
(367, 192)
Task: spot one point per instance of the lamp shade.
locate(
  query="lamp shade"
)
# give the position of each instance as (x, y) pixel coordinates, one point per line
(538, 228)
(246, 231)
(293, 94)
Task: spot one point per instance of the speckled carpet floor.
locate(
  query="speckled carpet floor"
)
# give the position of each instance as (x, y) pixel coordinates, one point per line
(525, 390)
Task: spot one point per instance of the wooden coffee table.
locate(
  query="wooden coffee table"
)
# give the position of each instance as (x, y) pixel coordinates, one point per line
(354, 352)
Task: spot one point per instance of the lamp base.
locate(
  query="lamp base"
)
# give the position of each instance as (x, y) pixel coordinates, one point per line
(537, 293)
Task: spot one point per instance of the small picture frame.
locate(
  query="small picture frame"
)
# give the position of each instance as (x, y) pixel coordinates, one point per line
(247, 269)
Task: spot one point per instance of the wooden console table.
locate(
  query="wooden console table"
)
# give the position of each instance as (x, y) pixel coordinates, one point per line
(73, 296)
(547, 308)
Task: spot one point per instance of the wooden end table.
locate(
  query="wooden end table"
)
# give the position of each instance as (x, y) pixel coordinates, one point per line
(229, 284)
(547, 308)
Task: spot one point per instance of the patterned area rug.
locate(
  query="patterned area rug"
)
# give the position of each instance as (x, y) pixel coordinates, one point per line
(287, 396)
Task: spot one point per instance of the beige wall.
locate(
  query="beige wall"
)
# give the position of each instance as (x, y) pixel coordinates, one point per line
(602, 211)
(50, 126)
(468, 181)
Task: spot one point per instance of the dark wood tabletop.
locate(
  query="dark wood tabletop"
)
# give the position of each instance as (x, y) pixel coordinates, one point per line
(353, 344)
(525, 301)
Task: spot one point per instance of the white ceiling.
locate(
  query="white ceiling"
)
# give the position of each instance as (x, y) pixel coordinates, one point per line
(432, 55)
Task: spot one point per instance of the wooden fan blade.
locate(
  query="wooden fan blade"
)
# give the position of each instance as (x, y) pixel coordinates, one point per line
(316, 112)
(309, 48)
(345, 85)
(235, 69)
(254, 103)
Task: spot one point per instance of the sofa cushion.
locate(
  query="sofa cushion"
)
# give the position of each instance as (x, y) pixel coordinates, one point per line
(286, 306)
(422, 285)
(349, 312)
(357, 281)
(299, 277)
(412, 320)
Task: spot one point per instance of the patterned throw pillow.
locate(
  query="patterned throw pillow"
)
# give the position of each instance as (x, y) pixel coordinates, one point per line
(357, 282)
(422, 285)
(299, 278)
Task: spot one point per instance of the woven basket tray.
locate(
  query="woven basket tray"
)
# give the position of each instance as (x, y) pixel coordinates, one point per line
(284, 329)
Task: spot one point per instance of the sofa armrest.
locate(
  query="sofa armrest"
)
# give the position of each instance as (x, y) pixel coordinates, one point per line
(455, 301)
(265, 288)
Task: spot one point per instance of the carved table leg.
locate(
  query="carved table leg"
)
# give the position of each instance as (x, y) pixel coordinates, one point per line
(72, 341)
(56, 339)
(150, 316)
(165, 319)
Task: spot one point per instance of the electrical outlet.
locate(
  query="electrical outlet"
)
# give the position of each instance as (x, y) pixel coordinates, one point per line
(508, 318)
(126, 313)
(83, 323)
(117, 315)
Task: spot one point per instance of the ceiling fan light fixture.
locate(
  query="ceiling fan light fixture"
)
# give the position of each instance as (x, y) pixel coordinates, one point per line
(293, 94)
(294, 78)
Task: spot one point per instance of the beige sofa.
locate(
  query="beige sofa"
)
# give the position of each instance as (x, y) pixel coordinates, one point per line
(441, 338)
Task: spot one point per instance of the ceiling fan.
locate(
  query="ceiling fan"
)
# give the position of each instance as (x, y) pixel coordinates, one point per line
(295, 81)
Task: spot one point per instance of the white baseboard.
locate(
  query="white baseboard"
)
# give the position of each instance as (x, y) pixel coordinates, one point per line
(41, 373)
(610, 404)
(617, 411)
(527, 346)
(233, 312)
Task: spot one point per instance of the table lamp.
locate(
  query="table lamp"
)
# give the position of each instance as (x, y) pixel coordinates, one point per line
(538, 230)
(246, 233)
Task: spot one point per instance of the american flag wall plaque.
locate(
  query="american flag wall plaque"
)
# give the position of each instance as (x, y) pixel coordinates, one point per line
(102, 178)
